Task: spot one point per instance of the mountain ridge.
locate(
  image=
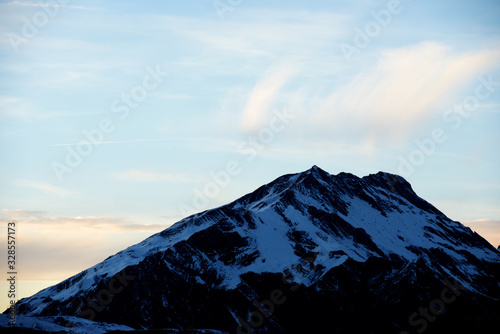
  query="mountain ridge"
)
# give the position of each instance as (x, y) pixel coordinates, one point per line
(340, 221)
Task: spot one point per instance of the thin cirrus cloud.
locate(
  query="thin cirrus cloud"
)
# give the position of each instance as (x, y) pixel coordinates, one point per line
(50, 244)
(262, 95)
(263, 33)
(146, 176)
(405, 88)
(43, 186)
(132, 141)
(42, 221)
(51, 5)
(13, 106)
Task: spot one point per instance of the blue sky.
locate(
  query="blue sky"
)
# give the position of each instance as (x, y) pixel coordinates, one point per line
(187, 106)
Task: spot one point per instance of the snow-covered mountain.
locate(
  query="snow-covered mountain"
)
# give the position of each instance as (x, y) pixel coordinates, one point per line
(308, 252)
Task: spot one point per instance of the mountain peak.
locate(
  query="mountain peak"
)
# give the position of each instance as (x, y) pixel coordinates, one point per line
(219, 260)
(383, 179)
(387, 177)
(318, 172)
(316, 169)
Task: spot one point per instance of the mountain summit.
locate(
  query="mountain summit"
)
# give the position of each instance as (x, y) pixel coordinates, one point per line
(308, 252)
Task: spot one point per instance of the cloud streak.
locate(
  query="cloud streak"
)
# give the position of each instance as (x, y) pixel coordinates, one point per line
(32, 4)
(406, 87)
(54, 248)
(384, 103)
(44, 187)
(133, 141)
(40, 220)
(146, 176)
(263, 94)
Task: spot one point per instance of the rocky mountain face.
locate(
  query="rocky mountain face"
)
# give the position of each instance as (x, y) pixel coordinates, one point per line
(307, 253)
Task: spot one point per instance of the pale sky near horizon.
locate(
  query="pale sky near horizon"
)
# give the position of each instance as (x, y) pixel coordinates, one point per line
(115, 116)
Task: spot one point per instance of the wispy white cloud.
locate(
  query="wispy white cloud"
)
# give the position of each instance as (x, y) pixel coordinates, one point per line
(405, 88)
(115, 142)
(264, 92)
(17, 107)
(43, 221)
(54, 248)
(169, 96)
(146, 176)
(20, 107)
(385, 103)
(43, 186)
(52, 4)
(8, 214)
(262, 32)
